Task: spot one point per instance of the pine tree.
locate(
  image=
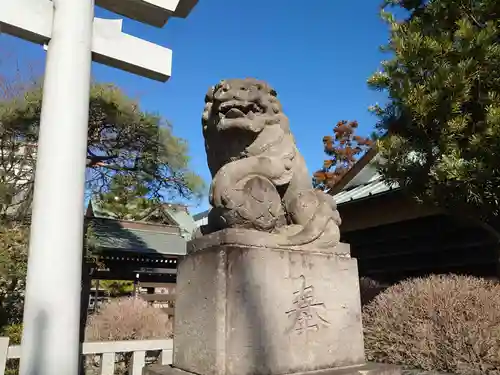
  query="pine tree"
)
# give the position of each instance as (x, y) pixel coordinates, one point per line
(126, 199)
(130, 152)
(343, 148)
(442, 122)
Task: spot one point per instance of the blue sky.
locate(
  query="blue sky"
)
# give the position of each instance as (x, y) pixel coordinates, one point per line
(317, 54)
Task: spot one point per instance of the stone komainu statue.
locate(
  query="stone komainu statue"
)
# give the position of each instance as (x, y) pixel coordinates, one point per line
(260, 180)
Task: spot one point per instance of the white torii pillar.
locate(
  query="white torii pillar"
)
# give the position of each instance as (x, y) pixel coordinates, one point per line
(50, 344)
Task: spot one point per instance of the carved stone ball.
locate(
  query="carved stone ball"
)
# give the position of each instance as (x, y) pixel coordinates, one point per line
(261, 208)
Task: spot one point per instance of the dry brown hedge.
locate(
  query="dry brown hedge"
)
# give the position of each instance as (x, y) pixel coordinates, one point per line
(445, 323)
(126, 319)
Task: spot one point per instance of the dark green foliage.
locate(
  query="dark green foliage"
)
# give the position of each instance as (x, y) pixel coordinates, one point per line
(14, 332)
(442, 122)
(13, 265)
(127, 199)
(117, 288)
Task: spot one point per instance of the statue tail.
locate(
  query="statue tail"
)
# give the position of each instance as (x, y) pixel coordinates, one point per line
(313, 230)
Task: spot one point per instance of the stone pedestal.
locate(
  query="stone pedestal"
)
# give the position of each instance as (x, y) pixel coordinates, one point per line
(245, 307)
(366, 369)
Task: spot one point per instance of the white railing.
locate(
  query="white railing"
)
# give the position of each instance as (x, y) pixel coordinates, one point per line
(107, 350)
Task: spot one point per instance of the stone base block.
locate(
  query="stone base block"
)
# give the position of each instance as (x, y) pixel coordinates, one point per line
(249, 310)
(366, 369)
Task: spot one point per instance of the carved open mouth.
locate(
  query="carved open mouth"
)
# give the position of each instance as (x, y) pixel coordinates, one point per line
(236, 109)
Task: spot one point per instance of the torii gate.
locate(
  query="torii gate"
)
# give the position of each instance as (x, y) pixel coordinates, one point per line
(50, 344)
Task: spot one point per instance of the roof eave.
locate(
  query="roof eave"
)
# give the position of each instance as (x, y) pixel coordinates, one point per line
(353, 172)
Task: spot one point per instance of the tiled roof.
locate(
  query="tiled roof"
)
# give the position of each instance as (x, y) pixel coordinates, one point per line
(183, 219)
(367, 182)
(109, 234)
(201, 215)
(374, 186)
(174, 214)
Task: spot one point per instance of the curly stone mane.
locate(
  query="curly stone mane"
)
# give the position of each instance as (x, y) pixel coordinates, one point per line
(260, 180)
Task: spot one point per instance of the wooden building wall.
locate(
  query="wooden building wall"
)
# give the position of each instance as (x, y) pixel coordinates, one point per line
(394, 238)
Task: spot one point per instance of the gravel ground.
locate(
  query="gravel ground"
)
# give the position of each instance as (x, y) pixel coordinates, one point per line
(422, 372)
